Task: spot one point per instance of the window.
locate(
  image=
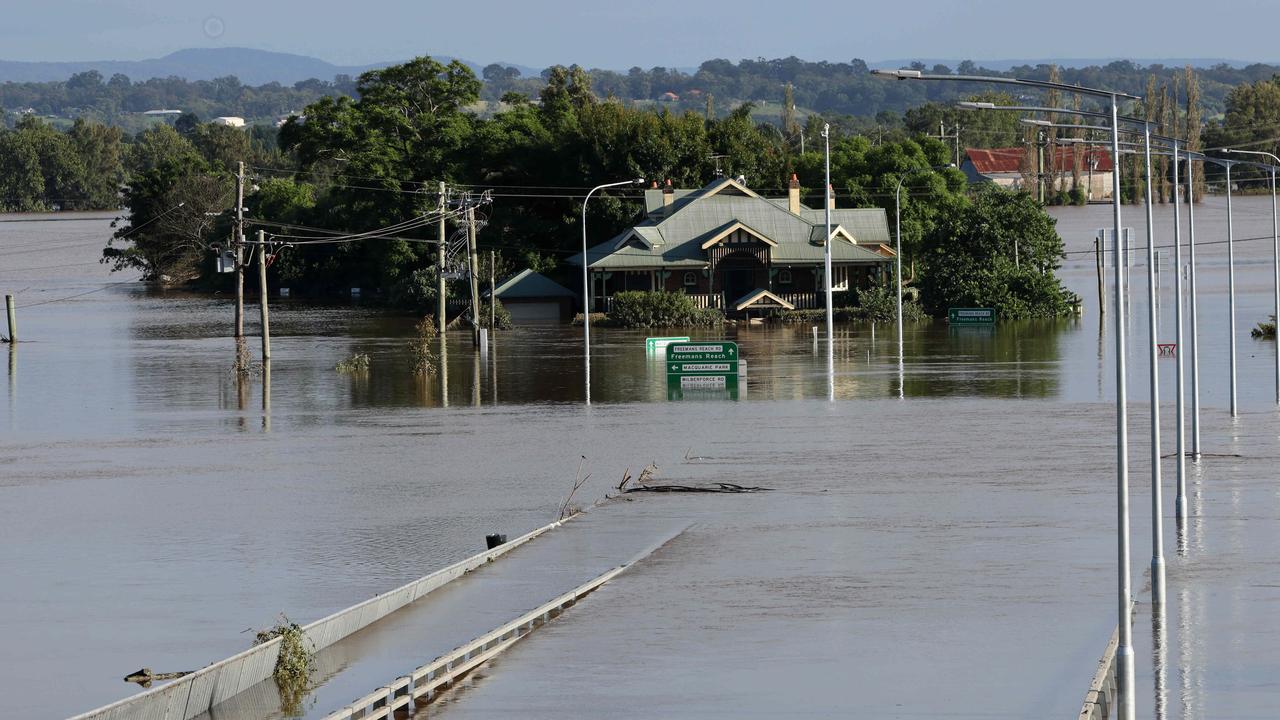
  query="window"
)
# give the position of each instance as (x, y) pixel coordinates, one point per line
(690, 278)
(784, 277)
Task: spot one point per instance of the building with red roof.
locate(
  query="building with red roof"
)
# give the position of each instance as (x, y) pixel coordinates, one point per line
(1003, 166)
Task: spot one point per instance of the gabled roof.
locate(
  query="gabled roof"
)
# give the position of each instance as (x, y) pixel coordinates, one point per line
(761, 298)
(529, 284)
(678, 235)
(990, 161)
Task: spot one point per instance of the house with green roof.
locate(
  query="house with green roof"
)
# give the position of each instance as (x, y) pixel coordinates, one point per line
(724, 243)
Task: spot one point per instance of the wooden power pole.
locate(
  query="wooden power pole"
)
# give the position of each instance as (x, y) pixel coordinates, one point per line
(475, 280)
(493, 298)
(262, 296)
(441, 306)
(238, 242)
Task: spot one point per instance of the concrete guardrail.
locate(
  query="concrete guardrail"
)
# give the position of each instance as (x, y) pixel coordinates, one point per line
(424, 683)
(200, 691)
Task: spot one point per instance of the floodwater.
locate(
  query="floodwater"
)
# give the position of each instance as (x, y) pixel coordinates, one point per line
(152, 508)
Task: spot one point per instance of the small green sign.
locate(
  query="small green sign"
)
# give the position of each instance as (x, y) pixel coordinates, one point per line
(704, 386)
(703, 352)
(654, 344)
(971, 316)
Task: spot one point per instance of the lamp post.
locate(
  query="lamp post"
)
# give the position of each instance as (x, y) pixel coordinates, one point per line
(1194, 307)
(1231, 278)
(826, 270)
(1180, 499)
(1275, 247)
(586, 292)
(1157, 483)
(897, 217)
(1124, 650)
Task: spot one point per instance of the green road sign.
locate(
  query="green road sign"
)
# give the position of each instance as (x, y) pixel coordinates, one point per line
(704, 386)
(703, 352)
(971, 316)
(654, 344)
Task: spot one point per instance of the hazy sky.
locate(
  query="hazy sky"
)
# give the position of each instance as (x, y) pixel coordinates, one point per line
(612, 34)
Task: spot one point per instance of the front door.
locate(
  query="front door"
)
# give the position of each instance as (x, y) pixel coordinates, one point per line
(738, 276)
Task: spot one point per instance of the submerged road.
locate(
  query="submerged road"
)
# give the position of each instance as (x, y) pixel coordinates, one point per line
(461, 611)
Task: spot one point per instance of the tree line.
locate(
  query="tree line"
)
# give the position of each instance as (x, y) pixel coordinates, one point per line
(359, 164)
(839, 88)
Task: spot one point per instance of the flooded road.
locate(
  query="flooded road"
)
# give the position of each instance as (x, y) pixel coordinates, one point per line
(152, 508)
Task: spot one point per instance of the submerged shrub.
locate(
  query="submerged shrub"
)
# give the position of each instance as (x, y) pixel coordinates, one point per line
(294, 664)
(357, 363)
(640, 309)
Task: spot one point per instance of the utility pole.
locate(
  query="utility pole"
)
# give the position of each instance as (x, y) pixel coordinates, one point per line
(238, 242)
(954, 137)
(493, 298)
(475, 280)
(441, 306)
(1040, 145)
(262, 296)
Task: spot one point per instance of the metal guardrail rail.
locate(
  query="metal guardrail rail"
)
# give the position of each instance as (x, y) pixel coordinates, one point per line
(199, 692)
(425, 683)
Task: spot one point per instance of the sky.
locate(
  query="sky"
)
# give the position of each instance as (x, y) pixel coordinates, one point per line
(619, 35)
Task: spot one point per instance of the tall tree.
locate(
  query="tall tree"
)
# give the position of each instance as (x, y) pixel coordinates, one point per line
(1193, 127)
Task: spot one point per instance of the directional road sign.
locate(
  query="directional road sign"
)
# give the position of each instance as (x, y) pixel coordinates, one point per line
(971, 316)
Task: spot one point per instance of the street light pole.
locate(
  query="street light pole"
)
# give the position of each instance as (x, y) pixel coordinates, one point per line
(1231, 292)
(1127, 709)
(897, 216)
(1157, 516)
(1275, 248)
(826, 273)
(1195, 309)
(586, 292)
(1125, 675)
(1180, 499)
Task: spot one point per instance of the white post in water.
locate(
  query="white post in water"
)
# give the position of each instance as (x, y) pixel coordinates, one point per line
(1125, 677)
(1195, 310)
(1180, 501)
(1153, 353)
(12, 316)
(826, 271)
(1231, 292)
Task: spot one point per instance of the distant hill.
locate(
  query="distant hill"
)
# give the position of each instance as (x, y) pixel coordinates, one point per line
(1006, 65)
(252, 67)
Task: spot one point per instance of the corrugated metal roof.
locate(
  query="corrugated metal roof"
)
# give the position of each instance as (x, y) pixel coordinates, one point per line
(529, 284)
(1009, 160)
(698, 215)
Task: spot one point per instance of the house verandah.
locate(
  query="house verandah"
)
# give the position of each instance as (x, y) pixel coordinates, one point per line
(801, 286)
(723, 243)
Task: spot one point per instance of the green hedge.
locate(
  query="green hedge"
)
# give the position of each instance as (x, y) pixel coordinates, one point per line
(638, 309)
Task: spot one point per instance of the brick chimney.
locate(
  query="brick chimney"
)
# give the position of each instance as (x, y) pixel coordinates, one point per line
(668, 197)
(831, 197)
(793, 195)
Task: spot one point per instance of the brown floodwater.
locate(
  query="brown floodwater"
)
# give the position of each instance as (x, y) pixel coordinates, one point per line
(153, 508)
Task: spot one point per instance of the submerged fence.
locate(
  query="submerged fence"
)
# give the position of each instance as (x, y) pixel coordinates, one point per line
(200, 691)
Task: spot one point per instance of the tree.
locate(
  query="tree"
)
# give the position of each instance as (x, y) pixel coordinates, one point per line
(175, 204)
(997, 250)
(21, 181)
(102, 158)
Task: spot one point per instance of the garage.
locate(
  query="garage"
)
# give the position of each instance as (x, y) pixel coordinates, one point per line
(532, 313)
(535, 299)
